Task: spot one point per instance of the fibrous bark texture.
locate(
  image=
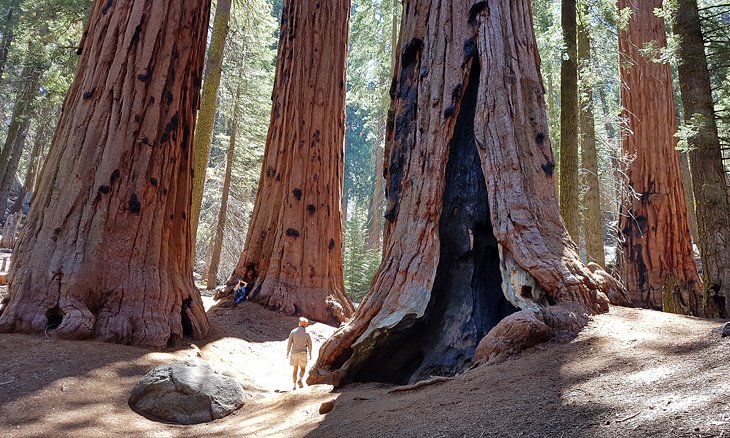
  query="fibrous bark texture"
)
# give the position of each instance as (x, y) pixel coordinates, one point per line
(657, 252)
(107, 250)
(711, 196)
(209, 103)
(569, 157)
(293, 255)
(591, 201)
(473, 226)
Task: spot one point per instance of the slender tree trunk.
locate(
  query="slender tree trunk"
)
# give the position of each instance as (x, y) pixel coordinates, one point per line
(215, 257)
(39, 139)
(17, 133)
(569, 158)
(293, 252)
(208, 106)
(710, 192)
(375, 210)
(472, 213)
(30, 170)
(689, 196)
(8, 34)
(658, 265)
(592, 214)
(107, 249)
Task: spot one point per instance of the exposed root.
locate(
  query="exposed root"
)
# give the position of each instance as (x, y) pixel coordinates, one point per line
(527, 328)
(421, 384)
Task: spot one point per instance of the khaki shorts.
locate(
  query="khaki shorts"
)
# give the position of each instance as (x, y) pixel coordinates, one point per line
(299, 359)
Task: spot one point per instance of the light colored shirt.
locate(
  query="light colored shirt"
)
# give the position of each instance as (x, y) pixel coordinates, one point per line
(299, 341)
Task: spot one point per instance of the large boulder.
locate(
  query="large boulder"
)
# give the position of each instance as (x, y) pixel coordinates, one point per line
(186, 392)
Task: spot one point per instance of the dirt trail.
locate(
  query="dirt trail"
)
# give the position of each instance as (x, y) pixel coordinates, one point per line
(630, 373)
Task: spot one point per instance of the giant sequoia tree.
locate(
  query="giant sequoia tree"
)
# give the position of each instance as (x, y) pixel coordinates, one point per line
(658, 265)
(473, 227)
(107, 250)
(293, 254)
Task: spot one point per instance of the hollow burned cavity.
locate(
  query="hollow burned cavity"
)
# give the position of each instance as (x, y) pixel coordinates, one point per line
(467, 299)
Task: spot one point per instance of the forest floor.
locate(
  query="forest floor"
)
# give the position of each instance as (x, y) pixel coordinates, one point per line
(630, 373)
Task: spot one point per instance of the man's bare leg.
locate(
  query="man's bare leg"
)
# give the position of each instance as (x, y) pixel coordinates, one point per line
(294, 375)
(301, 376)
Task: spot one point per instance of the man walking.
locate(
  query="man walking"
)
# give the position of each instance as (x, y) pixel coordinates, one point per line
(300, 345)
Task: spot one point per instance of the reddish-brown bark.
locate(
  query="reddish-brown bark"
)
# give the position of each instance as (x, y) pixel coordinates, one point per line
(107, 250)
(293, 254)
(658, 266)
(473, 218)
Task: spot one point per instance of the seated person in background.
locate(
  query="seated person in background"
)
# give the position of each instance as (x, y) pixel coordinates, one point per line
(240, 292)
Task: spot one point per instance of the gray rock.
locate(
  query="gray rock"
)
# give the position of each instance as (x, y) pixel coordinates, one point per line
(186, 392)
(726, 330)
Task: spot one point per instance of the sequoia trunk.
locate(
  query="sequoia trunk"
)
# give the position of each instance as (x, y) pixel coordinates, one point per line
(292, 260)
(473, 226)
(658, 265)
(710, 193)
(107, 249)
(209, 103)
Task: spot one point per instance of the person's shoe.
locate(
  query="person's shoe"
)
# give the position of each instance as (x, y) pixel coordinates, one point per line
(299, 382)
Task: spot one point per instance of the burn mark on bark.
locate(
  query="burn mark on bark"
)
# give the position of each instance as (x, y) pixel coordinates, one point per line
(134, 205)
(477, 9)
(404, 125)
(331, 245)
(137, 32)
(456, 94)
(548, 168)
(114, 177)
(291, 232)
(470, 49)
(104, 189)
(466, 299)
(540, 138)
(297, 194)
(449, 112)
(145, 77)
(89, 94)
(170, 129)
(153, 181)
(270, 171)
(311, 208)
(187, 324)
(107, 6)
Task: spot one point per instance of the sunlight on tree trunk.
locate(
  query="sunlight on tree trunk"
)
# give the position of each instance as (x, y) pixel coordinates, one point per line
(293, 254)
(657, 266)
(208, 106)
(107, 249)
(474, 227)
